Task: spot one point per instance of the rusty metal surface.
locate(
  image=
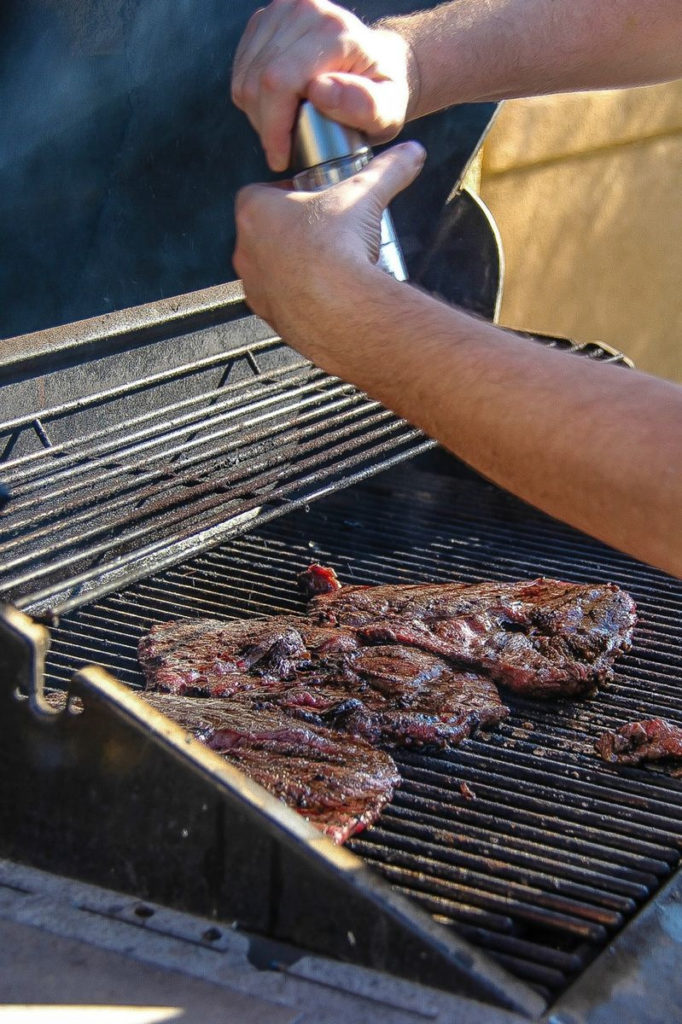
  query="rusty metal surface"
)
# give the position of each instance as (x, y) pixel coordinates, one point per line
(83, 338)
(185, 422)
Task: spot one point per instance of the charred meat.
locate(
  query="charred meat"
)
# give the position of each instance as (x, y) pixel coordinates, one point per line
(212, 658)
(394, 696)
(339, 784)
(311, 698)
(388, 694)
(541, 638)
(651, 740)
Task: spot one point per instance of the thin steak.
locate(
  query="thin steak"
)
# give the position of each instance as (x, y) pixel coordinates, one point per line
(339, 785)
(394, 696)
(212, 658)
(541, 638)
(389, 694)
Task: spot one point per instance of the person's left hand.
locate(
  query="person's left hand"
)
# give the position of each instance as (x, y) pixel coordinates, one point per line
(293, 247)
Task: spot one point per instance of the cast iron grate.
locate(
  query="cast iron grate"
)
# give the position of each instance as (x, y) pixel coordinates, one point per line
(555, 851)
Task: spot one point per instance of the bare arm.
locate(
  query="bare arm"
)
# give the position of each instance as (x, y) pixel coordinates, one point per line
(469, 50)
(596, 445)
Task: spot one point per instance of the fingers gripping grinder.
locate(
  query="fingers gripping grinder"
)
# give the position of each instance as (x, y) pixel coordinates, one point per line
(328, 152)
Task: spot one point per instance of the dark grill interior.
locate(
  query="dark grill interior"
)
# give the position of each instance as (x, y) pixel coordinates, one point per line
(551, 851)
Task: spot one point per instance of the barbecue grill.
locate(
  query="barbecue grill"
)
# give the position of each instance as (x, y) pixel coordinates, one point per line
(177, 459)
(202, 489)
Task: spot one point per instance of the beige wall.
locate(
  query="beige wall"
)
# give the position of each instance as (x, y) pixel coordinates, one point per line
(586, 191)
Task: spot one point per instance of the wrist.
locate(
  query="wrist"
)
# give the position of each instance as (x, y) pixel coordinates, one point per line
(398, 29)
(338, 324)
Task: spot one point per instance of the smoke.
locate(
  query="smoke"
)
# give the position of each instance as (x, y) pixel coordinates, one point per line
(120, 153)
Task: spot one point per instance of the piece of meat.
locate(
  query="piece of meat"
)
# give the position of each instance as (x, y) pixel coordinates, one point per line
(411, 698)
(649, 740)
(542, 637)
(394, 696)
(339, 784)
(209, 657)
(318, 579)
(389, 694)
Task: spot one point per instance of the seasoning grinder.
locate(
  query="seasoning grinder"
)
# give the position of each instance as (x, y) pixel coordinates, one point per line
(328, 152)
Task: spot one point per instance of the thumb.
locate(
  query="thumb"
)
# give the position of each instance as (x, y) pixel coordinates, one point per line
(376, 108)
(392, 171)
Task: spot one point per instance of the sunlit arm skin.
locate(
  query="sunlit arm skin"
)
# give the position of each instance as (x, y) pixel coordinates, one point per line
(596, 445)
(471, 50)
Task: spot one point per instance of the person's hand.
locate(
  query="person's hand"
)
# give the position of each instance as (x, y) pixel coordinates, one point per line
(293, 248)
(312, 49)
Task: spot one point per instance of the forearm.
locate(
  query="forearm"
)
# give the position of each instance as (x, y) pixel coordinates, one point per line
(595, 445)
(474, 50)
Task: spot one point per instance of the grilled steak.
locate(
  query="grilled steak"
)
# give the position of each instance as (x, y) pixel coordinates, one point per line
(389, 694)
(541, 638)
(386, 665)
(650, 740)
(339, 785)
(209, 657)
(394, 696)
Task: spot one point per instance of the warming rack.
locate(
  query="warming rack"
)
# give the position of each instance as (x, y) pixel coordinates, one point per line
(90, 510)
(177, 425)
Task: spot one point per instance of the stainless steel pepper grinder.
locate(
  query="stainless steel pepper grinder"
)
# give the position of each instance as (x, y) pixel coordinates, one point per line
(328, 152)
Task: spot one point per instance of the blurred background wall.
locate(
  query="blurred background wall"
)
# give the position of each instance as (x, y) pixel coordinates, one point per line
(586, 191)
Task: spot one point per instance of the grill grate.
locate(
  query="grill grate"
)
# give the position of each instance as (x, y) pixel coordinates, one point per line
(91, 505)
(556, 851)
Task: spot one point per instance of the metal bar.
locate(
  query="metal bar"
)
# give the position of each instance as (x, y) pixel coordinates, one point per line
(42, 433)
(168, 552)
(517, 853)
(528, 906)
(300, 396)
(84, 442)
(181, 313)
(505, 877)
(284, 435)
(541, 826)
(142, 383)
(254, 481)
(643, 833)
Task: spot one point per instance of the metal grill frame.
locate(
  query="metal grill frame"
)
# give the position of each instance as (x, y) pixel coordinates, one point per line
(80, 787)
(200, 586)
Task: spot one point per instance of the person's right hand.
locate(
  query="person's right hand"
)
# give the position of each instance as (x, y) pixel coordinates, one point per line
(312, 49)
